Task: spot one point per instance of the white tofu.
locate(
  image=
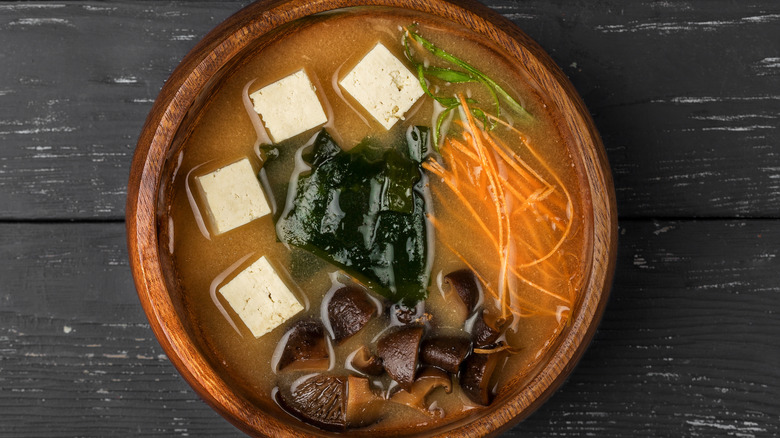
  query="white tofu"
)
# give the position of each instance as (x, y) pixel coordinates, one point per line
(383, 85)
(261, 298)
(233, 196)
(289, 106)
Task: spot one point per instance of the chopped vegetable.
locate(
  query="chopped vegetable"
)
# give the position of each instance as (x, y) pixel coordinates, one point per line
(306, 348)
(349, 310)
(470, 74)
(400, 351)
(517, 193)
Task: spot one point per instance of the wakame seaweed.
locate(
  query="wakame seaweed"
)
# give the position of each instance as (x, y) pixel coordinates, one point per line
(363, 210)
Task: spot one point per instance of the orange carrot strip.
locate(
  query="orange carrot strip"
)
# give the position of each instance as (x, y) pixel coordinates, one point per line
(534, 207)
(501, 209)
(487, 286)
(538, 287)
(475, 215)
(527, 145)
(498, 144)
(566, 192)
(461, 148)
(534, 248)
(514, 160)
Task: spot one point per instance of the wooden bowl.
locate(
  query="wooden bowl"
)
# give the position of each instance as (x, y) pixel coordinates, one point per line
(174, 113)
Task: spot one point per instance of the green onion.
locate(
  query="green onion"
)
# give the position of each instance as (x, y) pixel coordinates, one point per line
(439, 120)
(470, 74)
(470, 70)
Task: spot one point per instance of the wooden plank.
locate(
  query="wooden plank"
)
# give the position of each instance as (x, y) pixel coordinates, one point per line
(76, 82)
(685, 95)
(688, 345)
(77, 355)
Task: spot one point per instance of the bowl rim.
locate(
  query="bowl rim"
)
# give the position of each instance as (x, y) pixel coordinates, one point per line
(178, 94)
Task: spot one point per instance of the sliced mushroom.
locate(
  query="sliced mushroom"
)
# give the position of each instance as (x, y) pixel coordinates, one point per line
(399, 352)
(349, 310)
(476, 374)
(429, 379)
(485, 331)
(320, 400)
(364, 406)
(445, 352)
(306, 348)
(464, 284)
(331, 402)
(366, 362)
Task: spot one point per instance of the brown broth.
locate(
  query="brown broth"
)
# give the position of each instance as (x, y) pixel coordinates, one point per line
(328, 48)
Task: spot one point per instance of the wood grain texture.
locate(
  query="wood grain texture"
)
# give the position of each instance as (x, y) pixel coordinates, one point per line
(76, 82)
(685, 95)
(687, 346)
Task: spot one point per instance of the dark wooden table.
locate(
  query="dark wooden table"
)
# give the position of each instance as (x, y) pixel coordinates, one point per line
(686, 95)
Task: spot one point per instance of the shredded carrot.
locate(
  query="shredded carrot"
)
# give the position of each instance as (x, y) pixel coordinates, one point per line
(461, 148)
(498, 144)
(514, 160)
(486, 285)
(504, 228)
(476, 217)
(519, 195)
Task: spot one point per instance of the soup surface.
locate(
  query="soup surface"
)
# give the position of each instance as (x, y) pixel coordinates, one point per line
(502, 202)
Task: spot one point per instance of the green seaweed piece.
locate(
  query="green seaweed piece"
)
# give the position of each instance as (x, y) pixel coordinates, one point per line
(364, 211)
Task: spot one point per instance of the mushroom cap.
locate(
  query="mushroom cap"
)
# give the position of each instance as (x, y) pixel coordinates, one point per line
(331, 402)
(306, 348)
(476, 374)
(465, 285)
(349, 310)
(445, 352)
(399, 351)
(484, 332)
(320, 400)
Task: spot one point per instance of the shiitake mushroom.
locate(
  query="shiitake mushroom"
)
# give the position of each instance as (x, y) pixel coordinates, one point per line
(320, 400)
(306, 348)
(485, 331)
(476, 374)
(331, 402)
(428, 380)
(445, 352)
(464, 284)
(349, 310)
(399, 351)
(366, 362)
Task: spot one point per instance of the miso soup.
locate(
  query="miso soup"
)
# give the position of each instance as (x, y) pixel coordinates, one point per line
(416, 237)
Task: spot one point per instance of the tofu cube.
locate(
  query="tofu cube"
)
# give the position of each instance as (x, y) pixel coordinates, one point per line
(233, 196)
(289, 106)
(383, 85)
(260, 298)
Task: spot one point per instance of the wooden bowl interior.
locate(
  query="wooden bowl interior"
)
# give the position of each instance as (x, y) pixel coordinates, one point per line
(178, 110)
